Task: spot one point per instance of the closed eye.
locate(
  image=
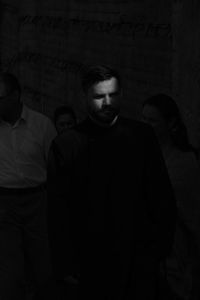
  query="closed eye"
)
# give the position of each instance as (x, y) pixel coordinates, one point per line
(99, 96)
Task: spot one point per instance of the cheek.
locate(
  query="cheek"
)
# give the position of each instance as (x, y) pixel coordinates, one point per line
(58, 125)
(160, 129)
(116, 102)
(95, 105)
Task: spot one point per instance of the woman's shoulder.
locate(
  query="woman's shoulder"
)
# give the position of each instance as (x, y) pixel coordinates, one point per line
(187, 158)
(183, 165)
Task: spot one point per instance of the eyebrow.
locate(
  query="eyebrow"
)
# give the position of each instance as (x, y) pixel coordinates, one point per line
(96, 95)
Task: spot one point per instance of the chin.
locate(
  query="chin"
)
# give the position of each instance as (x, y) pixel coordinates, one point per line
(106, 120)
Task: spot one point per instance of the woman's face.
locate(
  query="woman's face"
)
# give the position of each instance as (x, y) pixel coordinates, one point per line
(153, 117)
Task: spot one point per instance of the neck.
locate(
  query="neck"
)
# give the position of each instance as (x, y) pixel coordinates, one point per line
(102, 124)
(14, 115)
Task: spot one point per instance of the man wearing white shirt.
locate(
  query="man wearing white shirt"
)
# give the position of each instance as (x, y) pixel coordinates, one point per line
(25, 138)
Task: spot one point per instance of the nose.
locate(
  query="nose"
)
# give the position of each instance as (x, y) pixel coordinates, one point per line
(107, 100)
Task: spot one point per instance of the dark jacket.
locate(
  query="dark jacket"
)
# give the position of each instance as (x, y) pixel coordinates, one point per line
(112, 202)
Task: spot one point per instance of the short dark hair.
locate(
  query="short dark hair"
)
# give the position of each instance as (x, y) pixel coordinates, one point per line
(11, 82)
(95, 74)
(62, 110)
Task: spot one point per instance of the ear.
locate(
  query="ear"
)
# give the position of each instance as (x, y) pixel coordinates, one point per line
(121, 92)
(85, 100)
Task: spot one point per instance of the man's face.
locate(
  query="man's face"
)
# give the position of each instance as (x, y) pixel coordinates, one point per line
(103, 100)
(64, 122)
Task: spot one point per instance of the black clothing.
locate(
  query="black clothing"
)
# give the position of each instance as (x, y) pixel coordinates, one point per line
(113, 208)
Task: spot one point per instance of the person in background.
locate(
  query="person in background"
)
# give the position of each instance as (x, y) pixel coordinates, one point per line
(107, 177)
(64, 118)
(182, 267)
(25, 138)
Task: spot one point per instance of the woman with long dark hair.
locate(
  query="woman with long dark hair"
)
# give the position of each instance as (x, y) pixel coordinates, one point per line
(181, 268)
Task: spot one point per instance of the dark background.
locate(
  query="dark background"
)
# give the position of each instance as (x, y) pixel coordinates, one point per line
(154, 44)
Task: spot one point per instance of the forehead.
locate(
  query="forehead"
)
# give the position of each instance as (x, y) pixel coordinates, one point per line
(65, 117)
(108, 85)
(151, 111)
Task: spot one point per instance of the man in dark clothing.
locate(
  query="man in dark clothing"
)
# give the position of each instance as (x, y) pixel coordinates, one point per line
(108, 181)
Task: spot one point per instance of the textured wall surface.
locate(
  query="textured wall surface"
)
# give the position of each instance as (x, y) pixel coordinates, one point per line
(48, 44)
(186, 79)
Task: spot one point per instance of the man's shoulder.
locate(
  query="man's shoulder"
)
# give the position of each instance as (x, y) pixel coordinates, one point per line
(35, 115)
(135, 127)
(39, 123)
(80, 133)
